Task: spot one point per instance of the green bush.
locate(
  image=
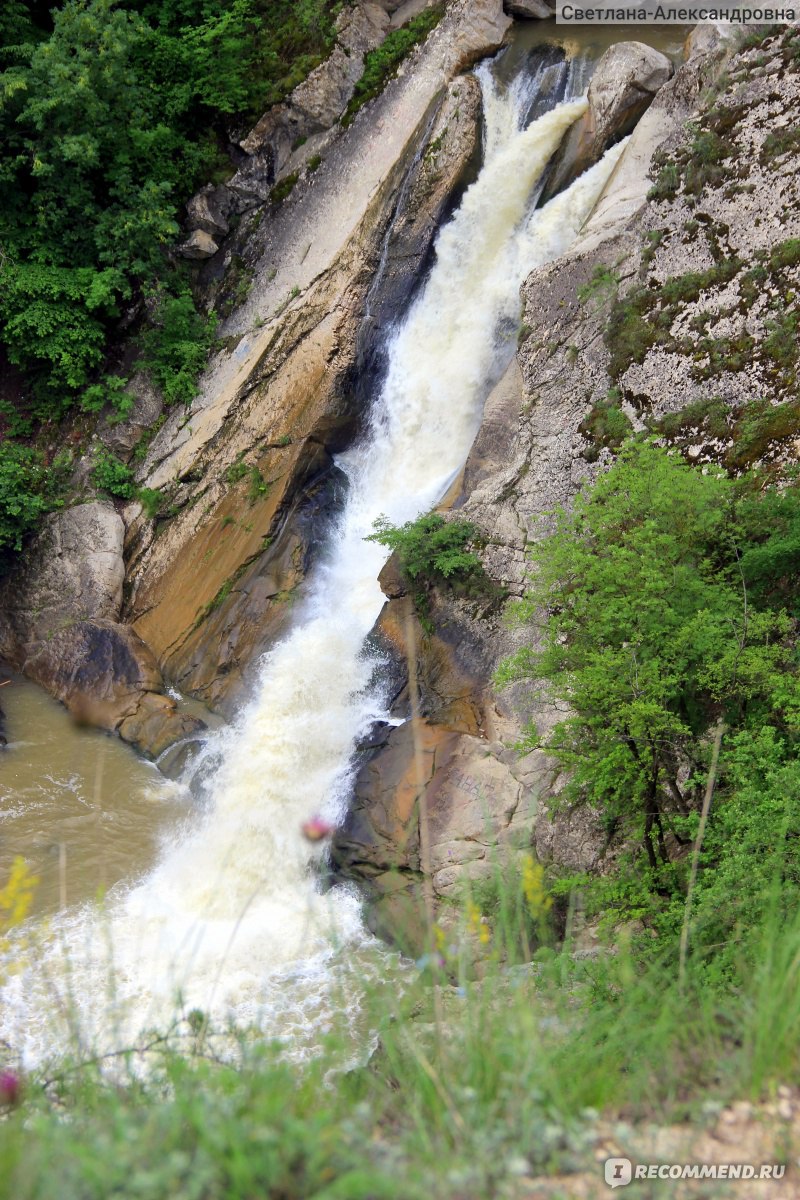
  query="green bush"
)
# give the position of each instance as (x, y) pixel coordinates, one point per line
(606, 426)
(26, 493)
(113, 112)
(113, 476)
(664, 603)
(175, 347)
(431, 549)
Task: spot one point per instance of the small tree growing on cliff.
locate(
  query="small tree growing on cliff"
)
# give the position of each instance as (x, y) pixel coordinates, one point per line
(431, 549)
(654, 620)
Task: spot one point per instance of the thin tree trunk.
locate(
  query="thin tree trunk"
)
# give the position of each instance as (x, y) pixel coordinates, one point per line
(687, 912)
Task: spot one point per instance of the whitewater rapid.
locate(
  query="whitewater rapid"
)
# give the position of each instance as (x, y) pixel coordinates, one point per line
(231, 921)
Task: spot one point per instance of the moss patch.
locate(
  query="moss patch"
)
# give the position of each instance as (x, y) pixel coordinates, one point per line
(606, 426)
(382, 63)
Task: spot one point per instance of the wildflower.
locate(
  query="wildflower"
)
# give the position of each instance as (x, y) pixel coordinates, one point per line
(478, 924)
(10, 1088)
(316, 829)
(536, 897)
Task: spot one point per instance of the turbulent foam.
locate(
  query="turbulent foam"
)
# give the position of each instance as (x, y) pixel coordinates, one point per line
(230, 919)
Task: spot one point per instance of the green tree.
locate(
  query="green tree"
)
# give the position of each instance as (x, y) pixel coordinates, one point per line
(658, 609)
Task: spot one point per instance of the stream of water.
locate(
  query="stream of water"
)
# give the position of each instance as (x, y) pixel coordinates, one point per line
(231, 921)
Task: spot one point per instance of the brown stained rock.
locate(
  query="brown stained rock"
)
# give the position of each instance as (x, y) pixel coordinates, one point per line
(478, 812)
(449, 694)
(392, 581)
(205, 593)
(381, 832)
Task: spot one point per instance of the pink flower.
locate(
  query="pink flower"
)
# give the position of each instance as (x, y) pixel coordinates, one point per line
(10, 1088)
(316, 830)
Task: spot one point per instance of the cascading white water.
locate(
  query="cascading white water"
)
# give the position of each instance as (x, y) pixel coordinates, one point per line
(230, 919)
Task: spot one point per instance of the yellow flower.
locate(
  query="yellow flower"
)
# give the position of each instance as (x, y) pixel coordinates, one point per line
(536, 897)
(15, 900)
(478, 924)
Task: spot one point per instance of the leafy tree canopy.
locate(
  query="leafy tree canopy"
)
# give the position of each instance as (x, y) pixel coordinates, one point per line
(660, 605)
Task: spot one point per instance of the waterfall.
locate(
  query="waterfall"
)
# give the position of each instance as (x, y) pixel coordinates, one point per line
(230, 919)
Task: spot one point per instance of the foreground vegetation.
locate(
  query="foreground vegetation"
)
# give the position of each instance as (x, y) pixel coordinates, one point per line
(486, 1086)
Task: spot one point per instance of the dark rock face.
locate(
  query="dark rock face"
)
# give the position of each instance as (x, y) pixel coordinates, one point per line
(529, 10)
(445, 158)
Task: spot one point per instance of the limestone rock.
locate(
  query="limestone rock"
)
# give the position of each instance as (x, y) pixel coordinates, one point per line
(626, 78)
(529, 10)
(704, 39)
(443, 166)
(73, 571)
(199, 244)
(322, 97)
(315, 105)
(284, 398)
(122, 437)
(59, 624)
(623, 86)
(207, 211)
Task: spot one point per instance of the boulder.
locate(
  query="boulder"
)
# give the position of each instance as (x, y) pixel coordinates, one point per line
(198, 245)
(59, 624)
(529, 10)
(107, 677)
(322, 97)
(207, 211)
(74, 570)
(623, 87)
(478, 815)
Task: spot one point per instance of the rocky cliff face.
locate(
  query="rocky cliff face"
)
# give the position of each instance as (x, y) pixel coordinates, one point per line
(200, 593)
(676, 308)
(250, 464)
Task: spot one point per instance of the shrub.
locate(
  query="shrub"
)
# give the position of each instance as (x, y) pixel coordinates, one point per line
(667, 183)
(606, 426)
(175, 348)
(431, 549)
(284, 189)
(113, 476)
(660, 606)
(26, 493)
